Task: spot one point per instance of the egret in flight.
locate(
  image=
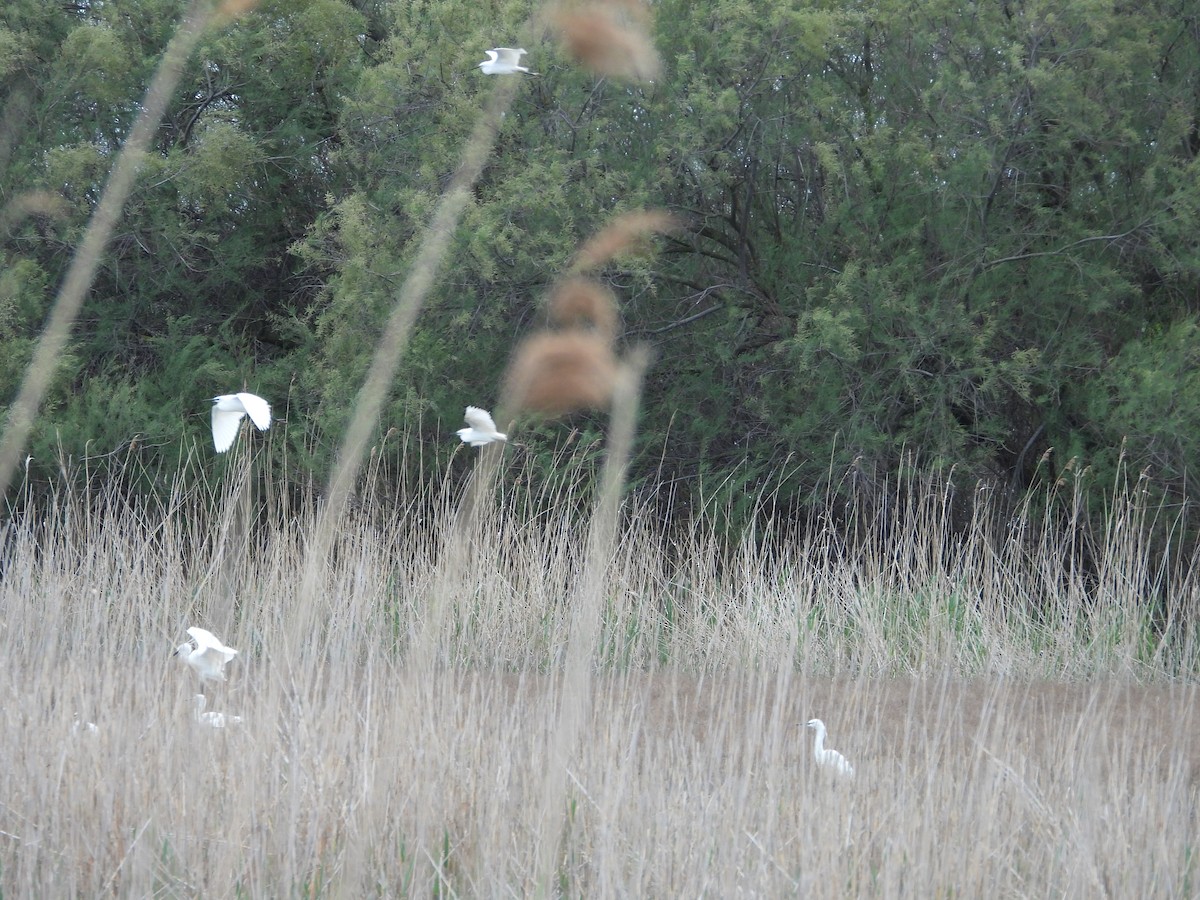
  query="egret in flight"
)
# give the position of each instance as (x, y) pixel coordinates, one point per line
(227, 412)
(504, 61)
(480, 428)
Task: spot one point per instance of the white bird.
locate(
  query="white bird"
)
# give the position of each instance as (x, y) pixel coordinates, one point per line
(227, 412)
(209, 655)
(213, 719)
(504, 61)
(829, 758)
(480, 428)
(86, 727)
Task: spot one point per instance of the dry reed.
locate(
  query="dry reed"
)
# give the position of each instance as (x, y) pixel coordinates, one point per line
(610, 39)
(361, 771)
(554, 373)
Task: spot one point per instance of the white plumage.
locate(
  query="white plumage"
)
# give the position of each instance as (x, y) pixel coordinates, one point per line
(227, 412)
(504, 61)
(208, 657)
(828, 758)
(480, 428)
(213, 719)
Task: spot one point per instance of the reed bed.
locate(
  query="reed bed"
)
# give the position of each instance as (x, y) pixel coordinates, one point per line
(1016, 727)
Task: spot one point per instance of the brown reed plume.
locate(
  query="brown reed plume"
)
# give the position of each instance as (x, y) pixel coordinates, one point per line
(627, 234)
(555, 373)
(610, 39)
(233, 9)
(582, 303)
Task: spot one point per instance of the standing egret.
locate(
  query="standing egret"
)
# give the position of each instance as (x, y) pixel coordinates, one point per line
(504, 61)
(480, 428)
(213, 719)
(829, 758)
(227, 412)
(209, 655)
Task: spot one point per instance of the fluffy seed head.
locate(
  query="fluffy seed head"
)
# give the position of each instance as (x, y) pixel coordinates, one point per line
(609, 39)
(628, 233)
(555, 373)
(232, 9)
(577, 302)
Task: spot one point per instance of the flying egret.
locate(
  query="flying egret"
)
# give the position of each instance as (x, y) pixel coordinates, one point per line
(504, 61)
(213, 719)
(829, 758)
(480, 428)
(209, 655)
(227, 412)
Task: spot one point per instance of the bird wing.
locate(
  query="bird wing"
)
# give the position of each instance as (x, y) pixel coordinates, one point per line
(258, 409)
(216, 657)
(203, 637)
(509, 55)
(475, 438)
(224, 428)
(479, 419)
(206, 641)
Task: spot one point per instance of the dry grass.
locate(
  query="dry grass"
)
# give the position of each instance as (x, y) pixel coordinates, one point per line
(1001, 750)
(515, 697)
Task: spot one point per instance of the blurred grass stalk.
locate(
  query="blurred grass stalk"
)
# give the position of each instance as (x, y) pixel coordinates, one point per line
(391, 347)
(587, 612)
(85, 262)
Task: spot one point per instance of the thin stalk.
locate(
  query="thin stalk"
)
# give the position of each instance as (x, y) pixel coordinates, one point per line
(394, 341)
(587, 613)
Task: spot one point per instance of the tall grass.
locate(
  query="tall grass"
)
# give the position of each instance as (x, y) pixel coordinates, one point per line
(366, 769)
(532, 690)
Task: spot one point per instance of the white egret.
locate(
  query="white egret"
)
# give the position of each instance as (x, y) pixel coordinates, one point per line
(227, 412)
(829, 758)
(480, 428)
(504, 61)
(80, 725)
(209, 655)
(212, 719)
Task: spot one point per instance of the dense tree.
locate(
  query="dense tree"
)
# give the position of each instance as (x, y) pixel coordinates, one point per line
(964, 234)
(199, 288)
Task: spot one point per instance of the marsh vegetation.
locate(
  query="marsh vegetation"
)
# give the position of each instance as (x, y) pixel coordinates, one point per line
(1016, 726)
(579, 662)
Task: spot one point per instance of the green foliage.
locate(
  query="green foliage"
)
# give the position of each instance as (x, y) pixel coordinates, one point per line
(1149, 397)
(963, 236)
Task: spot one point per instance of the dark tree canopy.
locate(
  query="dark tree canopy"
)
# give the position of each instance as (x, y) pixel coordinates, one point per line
(913, 233)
